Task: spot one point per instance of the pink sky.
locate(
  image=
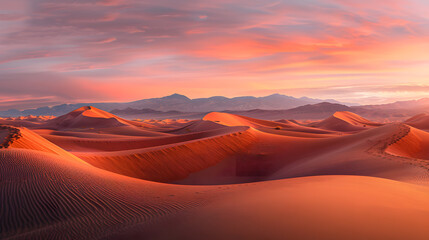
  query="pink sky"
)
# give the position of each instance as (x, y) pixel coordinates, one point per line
(56, 51)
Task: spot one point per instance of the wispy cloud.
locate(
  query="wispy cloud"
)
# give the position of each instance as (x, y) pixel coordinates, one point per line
(205, 46)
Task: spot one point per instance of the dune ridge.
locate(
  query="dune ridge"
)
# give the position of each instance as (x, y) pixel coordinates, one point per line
(71, 181)
(108, 144)
(174, 161)
(345, 122)
(262, 125)
(90, 117)
(316, 207)
(411, 147)
(8, 135)
(47, 196)
(33, 141)
(420, 121)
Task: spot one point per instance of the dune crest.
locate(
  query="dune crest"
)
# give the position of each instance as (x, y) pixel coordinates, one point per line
(262, 125)
(172, 162)
(420, 121)
(32, 141)
(345, 122)
(85, 175)
(90, 117)
(411, 146)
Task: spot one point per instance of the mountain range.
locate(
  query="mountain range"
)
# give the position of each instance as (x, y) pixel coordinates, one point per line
(272, 107)
(181, 103)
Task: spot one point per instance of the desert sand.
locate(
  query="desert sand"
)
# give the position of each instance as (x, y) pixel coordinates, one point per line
(419, 121)
(92, 175)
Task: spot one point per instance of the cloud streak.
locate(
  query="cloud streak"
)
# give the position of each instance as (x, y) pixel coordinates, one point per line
(200, 47)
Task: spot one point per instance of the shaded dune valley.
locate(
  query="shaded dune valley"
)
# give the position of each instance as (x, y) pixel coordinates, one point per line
(89, 174)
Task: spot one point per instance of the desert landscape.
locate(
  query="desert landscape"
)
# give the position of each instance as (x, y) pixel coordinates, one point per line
(214, 120)
(89, 174)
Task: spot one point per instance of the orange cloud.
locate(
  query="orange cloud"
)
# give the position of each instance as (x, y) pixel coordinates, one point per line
(125, 48)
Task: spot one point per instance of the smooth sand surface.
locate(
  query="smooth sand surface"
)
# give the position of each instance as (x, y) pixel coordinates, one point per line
(90, 117)
(415, 145)
(91, 175)
(172, 161)
(321, 207)
(420, 121)
(345, 122)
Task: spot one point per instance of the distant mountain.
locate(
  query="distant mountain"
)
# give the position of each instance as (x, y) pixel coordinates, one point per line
(134, 111)
(308, 111)
(398, 111)
(181, 103)
(147, 113)
(420, 104)
(380, 113)
(320, 108)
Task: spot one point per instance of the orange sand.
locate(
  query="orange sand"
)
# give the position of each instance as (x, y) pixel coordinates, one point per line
(91, 175)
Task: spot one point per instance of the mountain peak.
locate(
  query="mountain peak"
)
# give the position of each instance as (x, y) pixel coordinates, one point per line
(328, 104)
(179, 102)
(177, 96)
(275, 95)
(278, 95)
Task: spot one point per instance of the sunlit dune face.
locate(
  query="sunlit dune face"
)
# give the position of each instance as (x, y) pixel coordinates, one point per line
(126, 49)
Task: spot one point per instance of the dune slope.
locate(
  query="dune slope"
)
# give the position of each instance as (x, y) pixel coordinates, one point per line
(262, 125)
(90, 117)
(327, 207)
(93, 191)
(345, 122)
(362, 153)
(65, 199)
(420, 121)
(413, 145)
(172, 161)
(47, 196)
(28, 139)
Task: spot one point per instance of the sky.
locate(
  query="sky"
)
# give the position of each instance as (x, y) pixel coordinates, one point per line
(66, 51)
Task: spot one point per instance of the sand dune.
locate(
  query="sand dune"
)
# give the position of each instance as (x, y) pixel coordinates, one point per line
(420, 121)
(3, 134)
(109, 142)
(19, 123)
(128, 131)
(262, 125)
(358, 154)
(90, 117)
(32, 141)
(77, 134)
(32, 118)
(173, 161)
(328, 207)
(71, 200)
(84, 176)
(197, 126)
(236, 120)
(46, 196)
(413, 145)
(345, 122)
(278, 157)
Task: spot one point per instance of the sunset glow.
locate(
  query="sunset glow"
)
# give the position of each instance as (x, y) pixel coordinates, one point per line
(56, 51)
